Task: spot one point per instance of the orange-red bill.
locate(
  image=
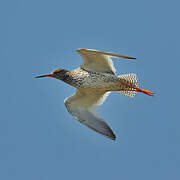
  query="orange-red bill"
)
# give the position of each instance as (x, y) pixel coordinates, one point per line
(46, 75)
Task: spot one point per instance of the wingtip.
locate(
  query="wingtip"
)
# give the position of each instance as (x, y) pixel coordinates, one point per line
(129, 57)
(112, 136)
(133, 58)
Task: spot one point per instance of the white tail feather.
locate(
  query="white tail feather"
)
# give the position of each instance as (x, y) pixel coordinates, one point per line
(130, 79)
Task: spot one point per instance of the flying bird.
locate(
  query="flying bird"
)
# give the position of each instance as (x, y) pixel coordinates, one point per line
(94, 80)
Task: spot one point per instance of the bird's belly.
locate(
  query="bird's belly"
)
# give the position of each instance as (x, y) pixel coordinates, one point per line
(97, 81)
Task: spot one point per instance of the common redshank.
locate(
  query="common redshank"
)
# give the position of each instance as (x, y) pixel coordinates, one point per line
(94, 79)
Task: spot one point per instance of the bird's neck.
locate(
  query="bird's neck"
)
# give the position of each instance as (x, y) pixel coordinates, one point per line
(66, 76)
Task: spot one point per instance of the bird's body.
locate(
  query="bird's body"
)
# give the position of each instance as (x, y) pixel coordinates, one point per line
(83, 79)
(94, 80)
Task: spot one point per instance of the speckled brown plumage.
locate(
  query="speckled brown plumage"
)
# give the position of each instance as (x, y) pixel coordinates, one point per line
(81, 78)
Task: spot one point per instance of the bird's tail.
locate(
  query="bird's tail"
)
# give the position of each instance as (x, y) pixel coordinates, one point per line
(129, 84)
(128, 81)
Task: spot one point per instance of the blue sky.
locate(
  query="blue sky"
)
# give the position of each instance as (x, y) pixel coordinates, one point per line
(39, 139)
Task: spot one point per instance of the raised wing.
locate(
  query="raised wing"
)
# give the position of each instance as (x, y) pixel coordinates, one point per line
(82, 107)
(99, 61)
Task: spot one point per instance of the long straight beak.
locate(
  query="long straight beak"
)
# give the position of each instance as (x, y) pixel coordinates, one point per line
(46, 75)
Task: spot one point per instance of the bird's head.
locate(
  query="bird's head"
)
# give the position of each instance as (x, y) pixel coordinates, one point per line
(57, 73)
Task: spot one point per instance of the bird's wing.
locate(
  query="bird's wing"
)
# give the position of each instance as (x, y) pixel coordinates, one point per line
(99, 61)
(82, 106)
